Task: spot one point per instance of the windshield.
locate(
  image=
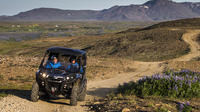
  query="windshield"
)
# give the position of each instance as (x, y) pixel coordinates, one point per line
(62, 62)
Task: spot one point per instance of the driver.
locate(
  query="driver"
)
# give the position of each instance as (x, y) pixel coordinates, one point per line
(53, 64)
(74, 66)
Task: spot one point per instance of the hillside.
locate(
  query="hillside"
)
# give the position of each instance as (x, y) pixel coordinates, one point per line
(151, 45)
(157, 42)
(188, 23)
(153, 10)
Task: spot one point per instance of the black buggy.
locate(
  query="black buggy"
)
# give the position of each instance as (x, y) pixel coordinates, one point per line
(61, 82)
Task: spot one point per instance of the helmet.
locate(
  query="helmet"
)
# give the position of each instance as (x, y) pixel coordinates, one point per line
(53, 57)
(72, 58)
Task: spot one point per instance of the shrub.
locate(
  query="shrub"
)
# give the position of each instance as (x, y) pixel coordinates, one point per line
(148, 45)
(183, 84)
(184, 107)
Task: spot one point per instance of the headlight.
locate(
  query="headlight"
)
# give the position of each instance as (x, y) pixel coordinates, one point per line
(44, 75)
(67, 78)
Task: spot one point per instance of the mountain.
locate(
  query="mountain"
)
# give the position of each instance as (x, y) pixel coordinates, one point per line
(169, 10)
(153, 10)
(51, 14)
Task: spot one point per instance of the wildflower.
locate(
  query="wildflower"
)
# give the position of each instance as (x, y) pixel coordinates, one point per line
(181, 106)
(176, 88)
(188, 103)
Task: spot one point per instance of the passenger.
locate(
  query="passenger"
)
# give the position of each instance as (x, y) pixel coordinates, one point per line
(55, 64)
(74, 67)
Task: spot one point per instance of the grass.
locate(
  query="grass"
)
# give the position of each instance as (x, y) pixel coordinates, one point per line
(14, 89)
(148, 45)
(63, 29)
(183, 23)
(39, 46)
(22, 79)
(155, 44)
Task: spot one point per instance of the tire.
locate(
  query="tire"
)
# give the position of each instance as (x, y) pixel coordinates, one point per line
(74, 95)
(35, 92)
(83, 92)
(43, 95)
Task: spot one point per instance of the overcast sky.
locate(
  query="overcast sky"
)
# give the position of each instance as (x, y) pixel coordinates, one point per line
(12, 7)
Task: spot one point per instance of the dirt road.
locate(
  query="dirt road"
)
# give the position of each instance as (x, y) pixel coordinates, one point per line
(98, 88)
(190, 37)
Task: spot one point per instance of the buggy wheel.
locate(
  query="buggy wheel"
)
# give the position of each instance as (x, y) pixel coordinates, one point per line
(74, 93)
(43, 95)
(35, 92)
(83, 92)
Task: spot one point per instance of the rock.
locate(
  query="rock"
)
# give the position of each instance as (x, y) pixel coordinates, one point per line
(126, 110)
(97, 103)
(158, 105)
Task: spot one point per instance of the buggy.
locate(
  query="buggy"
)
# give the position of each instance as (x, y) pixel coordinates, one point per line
(60, 82)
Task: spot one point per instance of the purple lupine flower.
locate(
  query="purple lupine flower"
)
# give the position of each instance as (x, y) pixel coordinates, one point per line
(194, 81)
(184, 71)
(170, 88)
(190, 77)
(166, 77)
(187, 76)
(176, 88)
(188, 82)
(143, 79)
(181, 84)
(181, 106)
(156, 76)
(188, 103)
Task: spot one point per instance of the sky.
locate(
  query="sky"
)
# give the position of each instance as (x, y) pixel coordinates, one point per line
(12, 7)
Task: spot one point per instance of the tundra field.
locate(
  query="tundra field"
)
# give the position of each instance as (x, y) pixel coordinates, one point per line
(125, 59)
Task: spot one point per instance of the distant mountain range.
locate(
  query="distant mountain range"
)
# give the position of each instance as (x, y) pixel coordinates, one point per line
(153, 10)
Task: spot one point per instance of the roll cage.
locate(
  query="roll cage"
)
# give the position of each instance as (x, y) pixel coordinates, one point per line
(64, 55)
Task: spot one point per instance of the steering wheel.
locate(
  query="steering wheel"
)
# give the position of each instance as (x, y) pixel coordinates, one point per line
(56, 69)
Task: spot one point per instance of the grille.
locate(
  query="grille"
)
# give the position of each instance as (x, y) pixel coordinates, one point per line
(58, 80)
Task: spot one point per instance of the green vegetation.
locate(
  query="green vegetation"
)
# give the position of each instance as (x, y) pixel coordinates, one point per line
(150, 45)
(49, 29)
(14, 89)
(183, 23)
(22, 79)
(183, 84)
(147, 45)
(185, 107)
